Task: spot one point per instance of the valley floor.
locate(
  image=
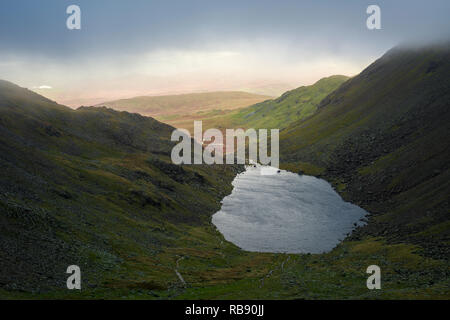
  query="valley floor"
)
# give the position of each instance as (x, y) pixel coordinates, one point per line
(216, 269)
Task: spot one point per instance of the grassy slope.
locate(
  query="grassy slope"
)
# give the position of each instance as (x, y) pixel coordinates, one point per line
(293, 105)
(381, 139)
(181, 110)
(95, 187)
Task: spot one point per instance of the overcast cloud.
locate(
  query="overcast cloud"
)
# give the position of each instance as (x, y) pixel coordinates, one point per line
(128, 48)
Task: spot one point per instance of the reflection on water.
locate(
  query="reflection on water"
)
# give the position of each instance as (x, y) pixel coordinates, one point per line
(285, 212)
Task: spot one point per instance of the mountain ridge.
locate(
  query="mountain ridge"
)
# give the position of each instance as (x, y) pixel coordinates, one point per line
(95, 187)
(377, 138)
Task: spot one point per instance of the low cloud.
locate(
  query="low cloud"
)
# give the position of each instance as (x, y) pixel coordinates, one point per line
(43, 87)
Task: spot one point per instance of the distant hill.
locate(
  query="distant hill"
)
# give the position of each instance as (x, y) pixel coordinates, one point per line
(179, 110)
(293, 105)
(277, 113)
(382, 138)
(273, 89)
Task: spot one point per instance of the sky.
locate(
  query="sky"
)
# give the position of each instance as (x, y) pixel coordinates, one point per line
(144, 47)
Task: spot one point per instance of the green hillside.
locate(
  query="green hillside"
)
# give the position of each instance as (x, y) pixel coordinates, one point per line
(293, 105)
(278, 113)
(382, 139)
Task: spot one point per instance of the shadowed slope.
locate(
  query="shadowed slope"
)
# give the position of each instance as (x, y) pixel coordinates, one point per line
(94, 187)
(382, 139)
